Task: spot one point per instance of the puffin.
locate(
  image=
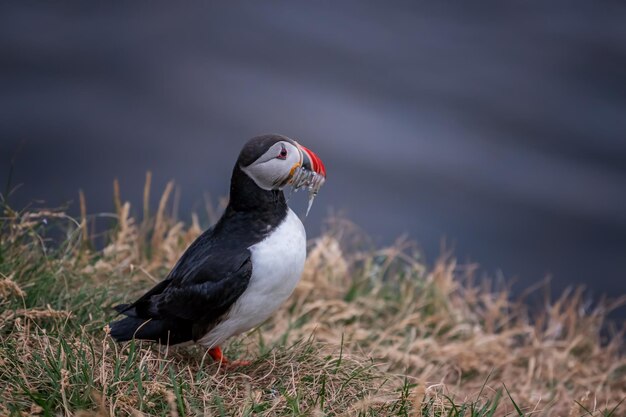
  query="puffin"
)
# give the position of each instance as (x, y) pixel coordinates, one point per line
(239, 271)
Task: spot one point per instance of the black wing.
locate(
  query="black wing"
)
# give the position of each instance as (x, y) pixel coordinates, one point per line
(201, 287)
(207, 293)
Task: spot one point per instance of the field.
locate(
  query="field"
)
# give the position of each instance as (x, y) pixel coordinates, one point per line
(368, 332)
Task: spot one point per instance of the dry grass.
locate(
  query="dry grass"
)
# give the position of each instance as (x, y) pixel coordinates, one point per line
(367, 332)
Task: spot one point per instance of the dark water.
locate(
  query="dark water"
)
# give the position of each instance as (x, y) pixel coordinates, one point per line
(500, 126)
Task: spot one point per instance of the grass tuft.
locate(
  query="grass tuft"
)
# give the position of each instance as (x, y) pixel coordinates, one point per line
(368, 332)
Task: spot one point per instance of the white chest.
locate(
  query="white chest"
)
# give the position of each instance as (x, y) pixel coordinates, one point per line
(277, 263)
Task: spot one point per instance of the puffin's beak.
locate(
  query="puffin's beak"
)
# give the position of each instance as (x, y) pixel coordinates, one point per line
(312, 162)
(309, 173)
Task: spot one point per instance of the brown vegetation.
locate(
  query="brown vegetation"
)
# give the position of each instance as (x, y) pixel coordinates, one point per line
(367, 331)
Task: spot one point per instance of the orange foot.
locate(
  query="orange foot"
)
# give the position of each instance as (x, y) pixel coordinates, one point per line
(218, 356)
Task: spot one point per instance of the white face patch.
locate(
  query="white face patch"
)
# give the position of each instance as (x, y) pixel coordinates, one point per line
(271, 170)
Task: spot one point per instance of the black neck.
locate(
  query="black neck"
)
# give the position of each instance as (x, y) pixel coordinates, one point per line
(246, 196)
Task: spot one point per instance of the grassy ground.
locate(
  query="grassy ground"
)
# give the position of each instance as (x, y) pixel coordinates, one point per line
(369, 332)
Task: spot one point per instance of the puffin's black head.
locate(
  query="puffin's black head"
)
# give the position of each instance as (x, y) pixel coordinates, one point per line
(271, 161)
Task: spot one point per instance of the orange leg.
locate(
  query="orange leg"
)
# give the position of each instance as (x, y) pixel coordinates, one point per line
(218, 356)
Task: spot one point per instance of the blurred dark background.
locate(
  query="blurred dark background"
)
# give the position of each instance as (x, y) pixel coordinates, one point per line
(500, 126)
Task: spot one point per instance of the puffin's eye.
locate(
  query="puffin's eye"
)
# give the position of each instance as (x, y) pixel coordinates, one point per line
(282, 154)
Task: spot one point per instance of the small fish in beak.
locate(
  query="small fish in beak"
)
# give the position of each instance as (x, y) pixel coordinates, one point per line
(310, 174)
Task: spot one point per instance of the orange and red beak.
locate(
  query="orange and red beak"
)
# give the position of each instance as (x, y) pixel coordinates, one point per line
(309, 173)
(311, 161)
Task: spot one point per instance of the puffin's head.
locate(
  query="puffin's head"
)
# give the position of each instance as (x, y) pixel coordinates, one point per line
(271, 161)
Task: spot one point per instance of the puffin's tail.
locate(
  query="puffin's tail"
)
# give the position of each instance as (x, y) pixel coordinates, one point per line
(165, 331)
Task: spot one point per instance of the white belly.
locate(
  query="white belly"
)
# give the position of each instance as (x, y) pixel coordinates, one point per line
(277, 263)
